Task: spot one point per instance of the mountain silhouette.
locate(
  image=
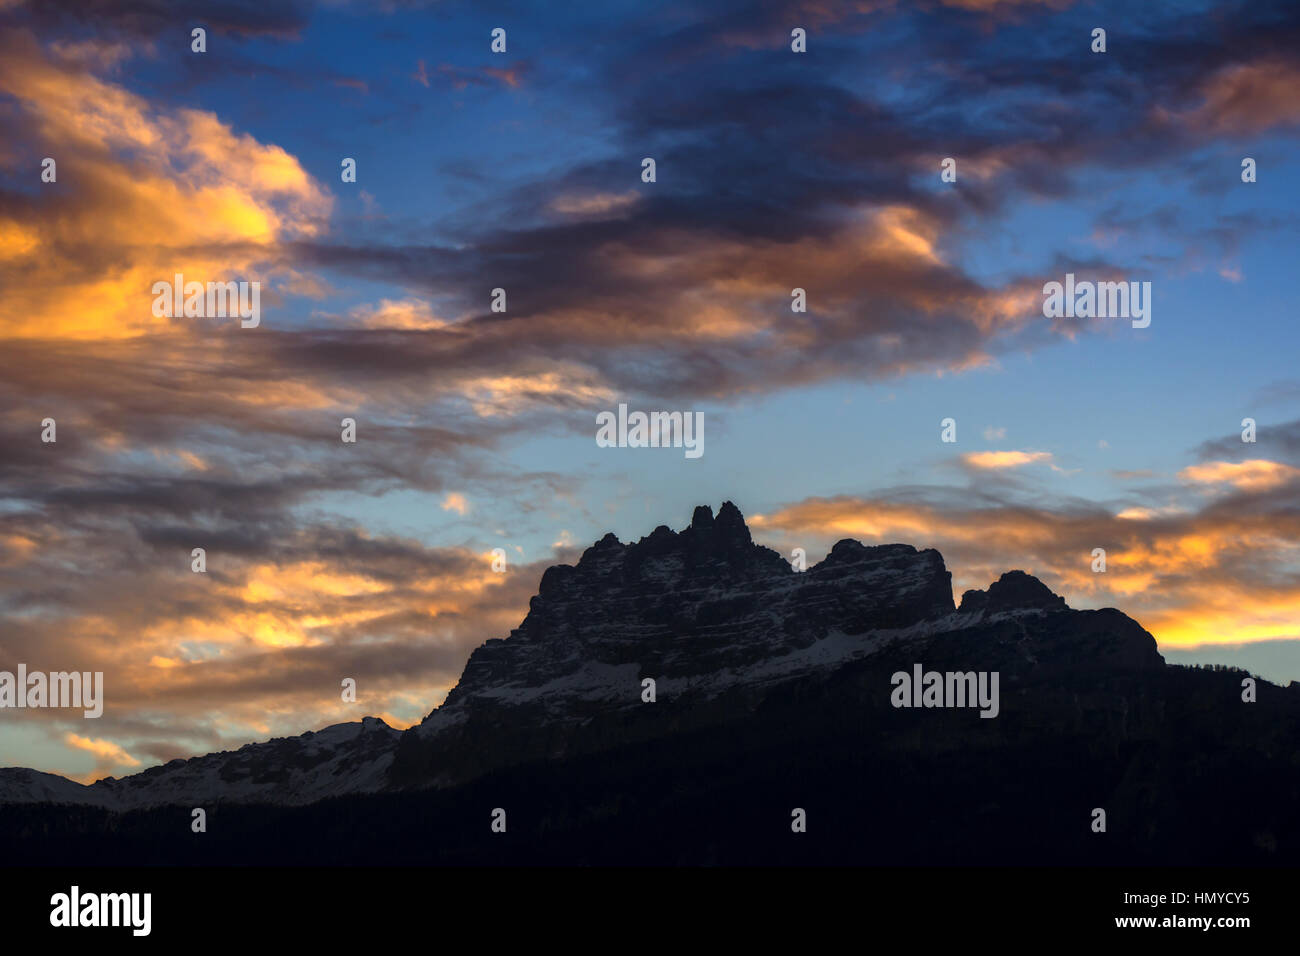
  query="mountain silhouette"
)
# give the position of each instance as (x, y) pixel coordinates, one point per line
(681, 698)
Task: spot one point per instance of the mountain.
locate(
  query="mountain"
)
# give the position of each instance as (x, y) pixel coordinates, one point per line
(345, 758)
(718, 623)
(772, 688)
(713, 618)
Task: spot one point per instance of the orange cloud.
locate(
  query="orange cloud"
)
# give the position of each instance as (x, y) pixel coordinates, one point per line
(553, 381)
(1248, 98)
(1004, 459)
(732, 289)
(1257, 474)
(1139, 513)
(455, 502)
(270, 639)
(595, 204)
(511, 78)
(462, 78)
(407, 313)
(177, 190)
(104, 750)
(1188, 577)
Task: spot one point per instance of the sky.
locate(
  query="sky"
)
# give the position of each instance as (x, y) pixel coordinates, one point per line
(522, 170)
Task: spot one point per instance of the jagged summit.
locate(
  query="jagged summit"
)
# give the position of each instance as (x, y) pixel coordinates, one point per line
(705, 608)
(717, 547)
(1015, 590)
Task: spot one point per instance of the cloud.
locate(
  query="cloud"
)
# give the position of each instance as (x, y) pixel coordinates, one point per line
(182, 191)
(409, 313)
(1004, 459)
(594, 204)
(105, 750)
(464, 77)
(269, 631)
(996, 4)
(1256, 474)
(1141, 513)
(1248, 98)
(1281, 441)
(1225, 572)
(108, 757)
(144, 19)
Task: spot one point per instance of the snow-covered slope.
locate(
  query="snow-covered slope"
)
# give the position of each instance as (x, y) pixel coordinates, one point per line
(344, 758)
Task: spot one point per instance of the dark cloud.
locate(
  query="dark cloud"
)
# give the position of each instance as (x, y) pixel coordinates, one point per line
(1276, 442)
(151, 19)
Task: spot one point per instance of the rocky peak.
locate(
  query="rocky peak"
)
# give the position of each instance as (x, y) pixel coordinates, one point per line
(731, 524)
(1014, 591)
(704, 605)
(718, 548)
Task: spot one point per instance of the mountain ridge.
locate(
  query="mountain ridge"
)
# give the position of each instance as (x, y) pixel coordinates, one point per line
(714, 619)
